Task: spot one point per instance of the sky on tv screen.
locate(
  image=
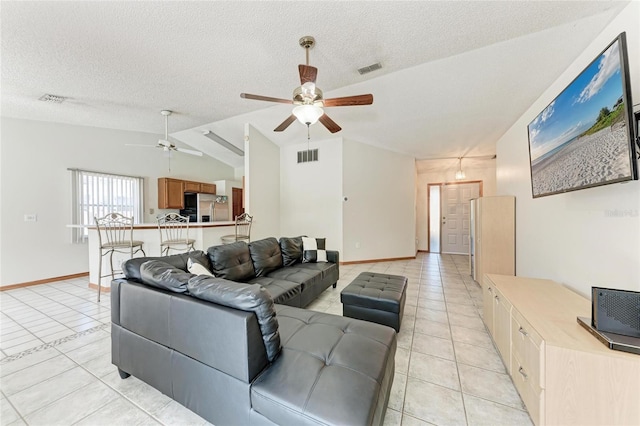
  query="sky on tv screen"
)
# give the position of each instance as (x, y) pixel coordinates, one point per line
(576, 109)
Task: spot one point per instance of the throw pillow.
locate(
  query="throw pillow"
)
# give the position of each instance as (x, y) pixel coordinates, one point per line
(313, 250)
(197, 268)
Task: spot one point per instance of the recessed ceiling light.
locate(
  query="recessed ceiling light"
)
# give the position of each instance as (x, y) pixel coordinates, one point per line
(52, 98)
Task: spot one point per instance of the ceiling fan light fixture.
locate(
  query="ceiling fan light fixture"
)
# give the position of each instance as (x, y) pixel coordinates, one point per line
(308, 114)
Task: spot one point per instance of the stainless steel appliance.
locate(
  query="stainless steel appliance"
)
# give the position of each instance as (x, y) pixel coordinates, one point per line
(220, 208)
(200, 207)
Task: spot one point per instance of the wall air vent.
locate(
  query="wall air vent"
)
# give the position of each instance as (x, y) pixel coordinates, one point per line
(308, 155)
(370, 68)
(54, 99)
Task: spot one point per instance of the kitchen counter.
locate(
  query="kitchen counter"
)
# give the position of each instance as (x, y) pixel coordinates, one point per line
(206, 234)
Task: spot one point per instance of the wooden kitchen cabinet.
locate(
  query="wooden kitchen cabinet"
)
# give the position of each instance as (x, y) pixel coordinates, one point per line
(208, 188)
(191, 186)
(170, 193)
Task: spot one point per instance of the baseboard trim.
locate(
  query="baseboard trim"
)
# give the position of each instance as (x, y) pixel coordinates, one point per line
(390, 259)
(44, 281)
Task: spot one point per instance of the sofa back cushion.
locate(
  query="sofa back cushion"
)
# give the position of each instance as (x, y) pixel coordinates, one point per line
(266, 256)
(131, 267)
(291, 250)
(231, 261)
(245, 297)
(157, 273)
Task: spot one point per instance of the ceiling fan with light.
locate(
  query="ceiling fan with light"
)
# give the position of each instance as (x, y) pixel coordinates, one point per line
(167, 146)
(308, 97)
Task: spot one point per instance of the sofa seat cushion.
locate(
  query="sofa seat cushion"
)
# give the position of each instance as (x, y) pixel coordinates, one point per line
(282, 291)
(304, 277)
(345, 364)
(325, 268)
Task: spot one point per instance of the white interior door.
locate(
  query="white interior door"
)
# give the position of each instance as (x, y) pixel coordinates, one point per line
(455, 216)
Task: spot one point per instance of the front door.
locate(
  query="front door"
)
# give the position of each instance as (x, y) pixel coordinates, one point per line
(455, 215)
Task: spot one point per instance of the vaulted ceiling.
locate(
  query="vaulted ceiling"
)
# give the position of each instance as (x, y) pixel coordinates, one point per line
(455, 74)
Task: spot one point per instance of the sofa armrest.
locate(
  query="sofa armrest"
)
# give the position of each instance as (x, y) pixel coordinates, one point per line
(333, 256)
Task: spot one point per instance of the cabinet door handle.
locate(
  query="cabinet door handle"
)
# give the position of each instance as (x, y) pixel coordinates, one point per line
(490, 290)
(521, 371)
(523, 331)
(497, 298)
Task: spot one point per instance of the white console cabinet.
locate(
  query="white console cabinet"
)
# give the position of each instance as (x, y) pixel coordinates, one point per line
(564, 375)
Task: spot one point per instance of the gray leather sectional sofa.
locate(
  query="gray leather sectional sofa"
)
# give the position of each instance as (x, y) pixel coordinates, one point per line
(229, 352)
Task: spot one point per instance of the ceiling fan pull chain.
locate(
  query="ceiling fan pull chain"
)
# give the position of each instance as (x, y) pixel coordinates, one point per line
(308, 137)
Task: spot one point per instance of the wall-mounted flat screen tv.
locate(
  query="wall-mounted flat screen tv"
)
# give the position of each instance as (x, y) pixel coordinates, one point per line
(585, 137)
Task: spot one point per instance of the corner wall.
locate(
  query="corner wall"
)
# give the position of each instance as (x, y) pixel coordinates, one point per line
(576, 238)
(311, 193)
(35, 180)
(379, 217)
(262, 183)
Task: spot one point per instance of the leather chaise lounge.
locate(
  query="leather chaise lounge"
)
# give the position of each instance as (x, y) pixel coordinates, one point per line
(225, 349)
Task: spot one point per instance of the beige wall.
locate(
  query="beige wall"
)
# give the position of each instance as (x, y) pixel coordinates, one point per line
(572, 238)
(311, 193)
(35, 180)
(262, 183)
(379, 216)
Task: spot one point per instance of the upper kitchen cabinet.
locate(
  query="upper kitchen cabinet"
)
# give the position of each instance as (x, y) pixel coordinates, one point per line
(208, 188)
(191, 186)
(170, 193)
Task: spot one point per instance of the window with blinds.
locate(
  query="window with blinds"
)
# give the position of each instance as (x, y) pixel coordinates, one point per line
(96, 194)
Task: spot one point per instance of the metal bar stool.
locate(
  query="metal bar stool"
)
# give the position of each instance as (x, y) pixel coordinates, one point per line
(243, 230)
(115, 235)
(174, 233)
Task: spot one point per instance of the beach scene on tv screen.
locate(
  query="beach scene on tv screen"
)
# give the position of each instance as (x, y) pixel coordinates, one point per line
(581, 138)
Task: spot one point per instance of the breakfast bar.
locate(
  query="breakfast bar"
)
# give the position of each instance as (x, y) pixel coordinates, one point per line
(206, 234)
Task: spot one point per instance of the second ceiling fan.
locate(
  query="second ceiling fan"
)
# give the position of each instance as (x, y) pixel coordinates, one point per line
(308, 97)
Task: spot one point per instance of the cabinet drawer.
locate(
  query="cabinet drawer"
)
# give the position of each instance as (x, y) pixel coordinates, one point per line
(528, 347)
(532, 396)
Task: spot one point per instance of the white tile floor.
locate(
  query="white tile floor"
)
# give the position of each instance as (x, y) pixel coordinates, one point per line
(55, 365)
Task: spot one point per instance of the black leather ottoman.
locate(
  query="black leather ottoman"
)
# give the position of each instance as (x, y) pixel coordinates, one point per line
(375, 297)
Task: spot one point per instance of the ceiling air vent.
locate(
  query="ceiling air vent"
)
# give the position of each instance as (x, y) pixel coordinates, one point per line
(307, 155)
(370, 68)
(54, 99)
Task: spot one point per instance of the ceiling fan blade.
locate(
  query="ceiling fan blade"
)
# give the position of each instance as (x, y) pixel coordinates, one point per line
(189, 151)
(349, 100)
(329, 123)
(265, 98)
(286, 123)
(307, 73)
(141, 145)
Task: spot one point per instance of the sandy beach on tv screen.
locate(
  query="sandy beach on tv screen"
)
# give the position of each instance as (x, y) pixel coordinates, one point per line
(591, 159)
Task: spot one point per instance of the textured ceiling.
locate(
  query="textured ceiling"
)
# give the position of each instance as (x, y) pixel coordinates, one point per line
(455, 75)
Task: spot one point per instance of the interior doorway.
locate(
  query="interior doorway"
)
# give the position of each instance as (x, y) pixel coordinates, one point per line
(448, 215)
(237, 194)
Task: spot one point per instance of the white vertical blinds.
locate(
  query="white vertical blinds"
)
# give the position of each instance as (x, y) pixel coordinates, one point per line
(96, 194)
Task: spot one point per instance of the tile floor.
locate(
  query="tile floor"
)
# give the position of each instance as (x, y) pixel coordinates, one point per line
(55, 361)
